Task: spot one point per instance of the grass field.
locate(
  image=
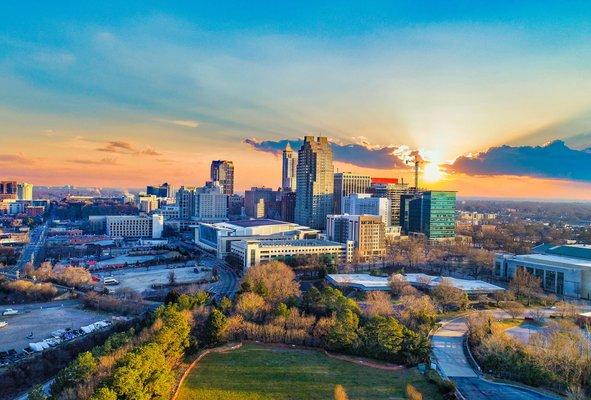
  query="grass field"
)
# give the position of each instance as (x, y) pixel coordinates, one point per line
(262, 373)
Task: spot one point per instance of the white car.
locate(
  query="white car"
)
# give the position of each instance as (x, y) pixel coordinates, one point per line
(110, 281)
(3, 324)
(10, 311)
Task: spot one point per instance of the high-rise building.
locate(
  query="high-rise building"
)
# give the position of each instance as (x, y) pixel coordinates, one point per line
(315, 183)
(432, 213)
(211, 203)
(269, 207)
(289, 169)
(8, 190)
(222, 171)
(24, 191)
(235, 205)
(162, 191)
(346, 183)
(364, 203)
(288, 202)
(147, 203)
(392, 192)
(185, 200)
(367, 232)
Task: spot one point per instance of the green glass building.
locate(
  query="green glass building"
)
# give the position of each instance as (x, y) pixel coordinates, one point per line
(438, 214)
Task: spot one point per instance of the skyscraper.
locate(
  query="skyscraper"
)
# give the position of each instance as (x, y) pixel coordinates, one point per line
(346, 183)
(222, 171)
(315, 183)
(392, 192)
(162, 191)
(24, 191)
(431, 213)
(289, 171)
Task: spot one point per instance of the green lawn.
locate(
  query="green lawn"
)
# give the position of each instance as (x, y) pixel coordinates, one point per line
(262, 373)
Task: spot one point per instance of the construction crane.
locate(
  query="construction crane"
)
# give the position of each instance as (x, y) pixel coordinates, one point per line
(417, 161)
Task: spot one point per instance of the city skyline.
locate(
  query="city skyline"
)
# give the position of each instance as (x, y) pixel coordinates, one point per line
(152, 94)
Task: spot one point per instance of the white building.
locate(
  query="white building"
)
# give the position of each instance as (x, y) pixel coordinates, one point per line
(254, 252)
(363, 203)
(289, 168)
(564, 270)
(211, 204)
(218, 237)
(131, 226)
(366, 282)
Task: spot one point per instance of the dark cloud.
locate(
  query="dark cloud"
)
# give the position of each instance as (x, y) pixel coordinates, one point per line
(121, 147)
(361, 155)
(553, 160)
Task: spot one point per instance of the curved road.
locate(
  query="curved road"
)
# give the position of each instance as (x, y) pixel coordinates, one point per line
(448, 352)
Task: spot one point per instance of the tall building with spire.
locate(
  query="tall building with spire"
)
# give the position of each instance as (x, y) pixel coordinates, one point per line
(222, 171)
(289, 171)
(315, 183)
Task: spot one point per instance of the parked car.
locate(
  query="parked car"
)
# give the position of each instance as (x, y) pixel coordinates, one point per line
(10, 311)
(111, 281)
(3, 324)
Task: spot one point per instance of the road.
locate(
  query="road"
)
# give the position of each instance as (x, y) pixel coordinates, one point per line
(30, 251)
(227, 285)
(448, 352)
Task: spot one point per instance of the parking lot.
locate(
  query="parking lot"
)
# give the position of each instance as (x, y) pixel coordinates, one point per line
(42, 320)
(141, 279)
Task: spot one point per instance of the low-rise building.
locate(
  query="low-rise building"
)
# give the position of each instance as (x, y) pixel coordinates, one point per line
(254, 252)
(218, 237)
(564, 269)
(366, 282)
(129, 226)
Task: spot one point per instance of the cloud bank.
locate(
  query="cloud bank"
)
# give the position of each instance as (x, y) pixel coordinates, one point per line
(553, 160)
(361, 155)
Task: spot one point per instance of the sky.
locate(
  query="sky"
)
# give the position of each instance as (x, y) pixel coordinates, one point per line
(495, 96)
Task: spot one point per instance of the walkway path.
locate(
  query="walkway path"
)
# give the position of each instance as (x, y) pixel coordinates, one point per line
(448, 352)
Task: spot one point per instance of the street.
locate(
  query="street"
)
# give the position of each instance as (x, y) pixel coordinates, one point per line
(448, 353)
(30, 251)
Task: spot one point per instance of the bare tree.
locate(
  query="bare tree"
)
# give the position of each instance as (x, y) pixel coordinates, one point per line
(171, 278)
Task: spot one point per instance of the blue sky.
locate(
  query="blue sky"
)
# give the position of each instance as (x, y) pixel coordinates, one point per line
(195, 79)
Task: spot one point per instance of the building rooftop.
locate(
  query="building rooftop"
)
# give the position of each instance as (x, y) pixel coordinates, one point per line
(369, 282)
(298, 242)
(551, 259)
(582, 251)
(249, 223)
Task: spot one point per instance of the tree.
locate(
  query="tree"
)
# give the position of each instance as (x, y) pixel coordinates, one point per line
(378, 303)
(448, 296)
(342, 336)
(397, 284)
(251, 306)
(104, 393)
(382, 338)
(514, 308)
(412, 393)
(37, 394)
(525, 284)
(481, 262)
(340, 393)
(274, 281)
(171, 278)
(215, 327)
(417, 311)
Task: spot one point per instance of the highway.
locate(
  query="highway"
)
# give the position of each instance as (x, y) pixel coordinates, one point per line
(448, 352)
